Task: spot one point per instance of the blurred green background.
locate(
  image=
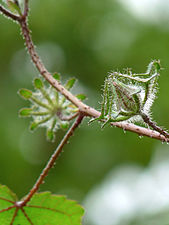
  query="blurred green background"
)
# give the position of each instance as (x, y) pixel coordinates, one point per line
(85, 39)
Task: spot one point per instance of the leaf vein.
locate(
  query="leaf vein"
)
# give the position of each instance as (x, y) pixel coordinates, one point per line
(7, 200)
(46, 208)
(4, 210)
(14, 216)
(27, 217)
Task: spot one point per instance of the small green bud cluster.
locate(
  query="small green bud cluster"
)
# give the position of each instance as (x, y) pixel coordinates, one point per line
(49, 108)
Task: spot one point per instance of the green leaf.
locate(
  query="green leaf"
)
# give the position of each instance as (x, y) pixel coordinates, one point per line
(25, 112)
(38, 83)
(81, 97)
(43, 209)
(6, 200)
(69, 84)
(33, 126)
(50, 135)
(56, 76)
(25, 93)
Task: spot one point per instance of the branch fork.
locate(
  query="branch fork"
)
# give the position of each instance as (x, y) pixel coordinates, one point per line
(84, 110)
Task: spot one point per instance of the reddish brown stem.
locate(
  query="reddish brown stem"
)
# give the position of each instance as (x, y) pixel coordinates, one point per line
(52, 160)
(89, 111)
(26, 9)
(82, 107)
(152, 124)
(44, 72)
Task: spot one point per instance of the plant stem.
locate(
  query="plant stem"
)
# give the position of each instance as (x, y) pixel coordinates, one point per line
(52, 160)
(87, 110)
(152, 124)
(141, 131)
(44, 72)
(26, 8)
(82, 107)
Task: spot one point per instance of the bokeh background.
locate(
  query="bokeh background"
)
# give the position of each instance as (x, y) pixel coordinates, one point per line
(120, 178)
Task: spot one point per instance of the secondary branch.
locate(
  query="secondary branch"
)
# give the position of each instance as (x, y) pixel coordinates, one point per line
(87, 110)
(52, 160)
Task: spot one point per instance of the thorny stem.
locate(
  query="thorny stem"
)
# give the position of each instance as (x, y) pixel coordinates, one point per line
(141, 131)
(152, 124)
(87, 110)
(53, 158)
(84, 110)
(26, 8)
(44, 72)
